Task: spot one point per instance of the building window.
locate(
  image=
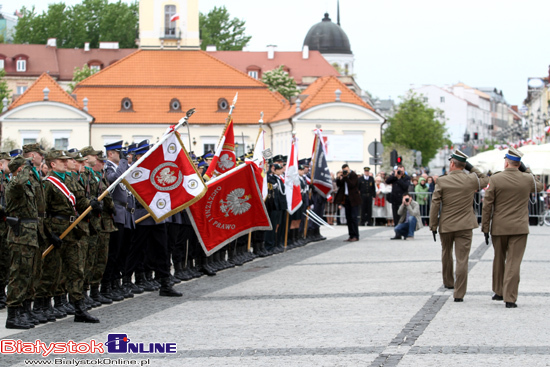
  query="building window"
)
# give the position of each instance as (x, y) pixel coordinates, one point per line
(209, 147)
(169, 27)
(2, 64)
(253, 74)
(175, 105)
(239, 149)
(21, 65)
(442, 99)
(126, 105)
(95, 68)
(29, 141)
(20, 89)
(61, 143)
(222, 104)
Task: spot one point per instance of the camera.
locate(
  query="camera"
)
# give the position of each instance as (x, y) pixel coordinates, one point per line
(344, 173)
(399, 172)
(407, 199)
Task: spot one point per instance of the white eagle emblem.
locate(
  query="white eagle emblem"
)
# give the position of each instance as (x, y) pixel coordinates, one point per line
(225, 162)
(235, 203)
(166, 176)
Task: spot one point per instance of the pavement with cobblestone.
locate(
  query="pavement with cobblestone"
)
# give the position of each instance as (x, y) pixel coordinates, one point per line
(374, 302)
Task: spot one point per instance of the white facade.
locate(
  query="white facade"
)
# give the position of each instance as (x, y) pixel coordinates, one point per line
(62, 125)
(344, 62)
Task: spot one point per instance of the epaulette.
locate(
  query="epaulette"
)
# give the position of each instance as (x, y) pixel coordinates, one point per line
(494, 173)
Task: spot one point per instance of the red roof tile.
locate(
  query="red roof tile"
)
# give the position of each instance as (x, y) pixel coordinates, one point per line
(316, 65)
(151, 79)
(321, 92)
(35, 93)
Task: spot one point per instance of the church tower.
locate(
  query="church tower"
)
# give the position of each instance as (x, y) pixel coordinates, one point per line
(169, 25)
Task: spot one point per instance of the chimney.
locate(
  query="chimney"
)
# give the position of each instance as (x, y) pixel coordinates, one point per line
(271, 51)
(298, 103)
(211, 48)
(52, 42)
(305, 52)
(46, 94)
(5, 104)
(85, 101)
(86, 46)
(338, 92)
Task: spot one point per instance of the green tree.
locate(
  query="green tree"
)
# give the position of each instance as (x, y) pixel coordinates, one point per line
(278, 80)
(416, 126)
(217, 29)
(79, 75)
(4, 90)
(91, 21)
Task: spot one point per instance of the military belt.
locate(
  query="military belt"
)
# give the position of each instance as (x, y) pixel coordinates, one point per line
(121, 203)
(42, 215)
(70, 218)
(28, 220)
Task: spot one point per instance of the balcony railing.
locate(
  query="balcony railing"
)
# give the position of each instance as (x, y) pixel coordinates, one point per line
(170, 33)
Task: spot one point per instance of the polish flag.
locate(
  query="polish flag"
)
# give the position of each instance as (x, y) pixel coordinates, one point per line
(174, 17)
(292, 180)
(225, 158)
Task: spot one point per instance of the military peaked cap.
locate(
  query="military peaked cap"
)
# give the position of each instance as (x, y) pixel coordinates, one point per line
(89, 150)
(28, 148)
(514, 155)
(56, 154)
(117, 145)
(15, 152)
(16, 162)
(459, 156)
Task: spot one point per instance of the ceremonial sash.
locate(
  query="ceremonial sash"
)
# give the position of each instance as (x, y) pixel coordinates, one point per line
(61, 187)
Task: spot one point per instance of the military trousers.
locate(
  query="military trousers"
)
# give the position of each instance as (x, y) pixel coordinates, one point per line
(73, 256)
(462, 241)
(509, 252)
(91, 257)
(51, 274)
(102, 254)
(22, 258)
(4, 255)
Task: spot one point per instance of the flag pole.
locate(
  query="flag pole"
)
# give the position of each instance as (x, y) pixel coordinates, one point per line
(315, 147)
(286, 229)
(249, 241)
(182, 121)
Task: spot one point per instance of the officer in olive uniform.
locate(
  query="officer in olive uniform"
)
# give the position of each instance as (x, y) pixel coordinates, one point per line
(4, 253)
(454, 194)
(506, 217)
(63, 207)
(22, 242)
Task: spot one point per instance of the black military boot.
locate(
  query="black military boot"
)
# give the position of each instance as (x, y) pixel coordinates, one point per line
(124, 292)
(53, 310)
(142, 282)
(3, 297)
(82, 315)
(58, 305)
(28, 312)
(178, 271)
(36, 311)
(151, 280)
(320, 236)
(13, 321)
(42, 304)
(68, 306)
(97, 296)
(166, 289)
(24, 316)
(129, 285)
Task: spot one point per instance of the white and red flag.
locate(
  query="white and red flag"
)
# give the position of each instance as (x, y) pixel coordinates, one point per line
(292, 179)
(259, 159)
(166, 181)
(225, 158)
(232, 207)
(174, 17)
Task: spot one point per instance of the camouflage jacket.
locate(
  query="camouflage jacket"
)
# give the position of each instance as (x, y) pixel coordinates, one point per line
(21, 203)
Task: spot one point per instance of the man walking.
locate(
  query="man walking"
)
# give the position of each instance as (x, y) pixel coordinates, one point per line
(454, 194)
(506, 216)
(366, 187)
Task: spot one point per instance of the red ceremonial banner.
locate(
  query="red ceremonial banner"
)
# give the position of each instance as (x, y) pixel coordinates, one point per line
(232, 207)
(167, 181)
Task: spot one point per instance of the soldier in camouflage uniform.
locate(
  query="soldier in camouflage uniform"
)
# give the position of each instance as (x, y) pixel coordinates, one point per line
(4, 253)
(64, 200)
(107, 227)
(22, 241)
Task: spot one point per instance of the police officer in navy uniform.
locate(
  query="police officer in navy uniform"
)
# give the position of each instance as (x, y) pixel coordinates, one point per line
(115, 166)
(278, 207)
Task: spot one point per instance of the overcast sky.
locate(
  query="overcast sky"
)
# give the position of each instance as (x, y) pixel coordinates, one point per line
(401, 43)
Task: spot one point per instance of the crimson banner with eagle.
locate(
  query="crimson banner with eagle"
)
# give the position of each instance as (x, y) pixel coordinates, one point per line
(167, 181)
(224, 158)
(232, 207)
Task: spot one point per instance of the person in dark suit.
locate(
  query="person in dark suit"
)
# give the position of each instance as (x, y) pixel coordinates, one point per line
(368, 191)
(348, 195)
(400, 182)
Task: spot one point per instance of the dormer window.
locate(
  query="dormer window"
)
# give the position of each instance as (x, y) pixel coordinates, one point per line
(222, 104)
(253, 71)
(126, 105)
(21, 65)
(253, 74)
(1, 64)
(175, 105)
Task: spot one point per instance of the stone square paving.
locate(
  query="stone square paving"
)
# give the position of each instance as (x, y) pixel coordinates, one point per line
(374, 302)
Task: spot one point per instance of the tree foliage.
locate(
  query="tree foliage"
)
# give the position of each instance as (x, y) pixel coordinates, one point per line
(217, 29)
(4, 90)
(79, 75)
(91, 21)
(278, 80)
(415, 126)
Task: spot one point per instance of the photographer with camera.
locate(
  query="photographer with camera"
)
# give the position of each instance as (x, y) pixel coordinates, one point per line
(409, 212)
(348, 195)
(400, 182)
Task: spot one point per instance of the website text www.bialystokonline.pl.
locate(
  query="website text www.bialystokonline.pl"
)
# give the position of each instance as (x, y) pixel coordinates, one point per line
(88, 362)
